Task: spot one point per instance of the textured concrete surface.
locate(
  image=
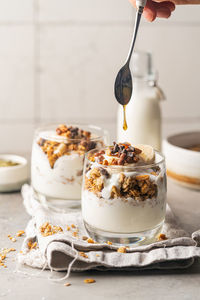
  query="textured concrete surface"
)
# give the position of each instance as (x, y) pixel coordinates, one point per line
(26, 283)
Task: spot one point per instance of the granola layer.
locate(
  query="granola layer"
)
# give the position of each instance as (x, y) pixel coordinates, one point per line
(131, 183)
(139, 187)
(74, 139)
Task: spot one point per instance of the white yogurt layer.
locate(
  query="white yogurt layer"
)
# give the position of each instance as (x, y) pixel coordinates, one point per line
(124, 215)
(118, 216)
(63, 181)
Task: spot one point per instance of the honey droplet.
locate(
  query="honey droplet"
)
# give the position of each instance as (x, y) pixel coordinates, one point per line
(125, 127)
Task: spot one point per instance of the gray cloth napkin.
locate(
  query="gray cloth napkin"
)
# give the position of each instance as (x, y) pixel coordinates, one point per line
(57, 251)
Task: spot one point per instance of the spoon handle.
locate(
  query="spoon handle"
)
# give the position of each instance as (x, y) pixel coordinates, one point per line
(140, 4)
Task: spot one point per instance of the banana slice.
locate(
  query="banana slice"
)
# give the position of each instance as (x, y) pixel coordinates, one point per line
(147, 154)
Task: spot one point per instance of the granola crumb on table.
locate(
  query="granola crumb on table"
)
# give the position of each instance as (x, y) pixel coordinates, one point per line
(89, 280)
(47, 229)
(3, 255)
(162, 237)
(121, 249)
(83, 254)
(67, 284)
(90, 241)
(20, 233)
(109, 243)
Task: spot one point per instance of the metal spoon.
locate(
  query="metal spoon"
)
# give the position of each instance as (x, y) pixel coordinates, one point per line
(123, 81)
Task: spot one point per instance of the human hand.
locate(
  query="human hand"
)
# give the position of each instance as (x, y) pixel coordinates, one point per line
(162, 8)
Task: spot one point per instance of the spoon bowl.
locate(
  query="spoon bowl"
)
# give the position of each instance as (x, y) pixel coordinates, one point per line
(123, 85)
(123, 82)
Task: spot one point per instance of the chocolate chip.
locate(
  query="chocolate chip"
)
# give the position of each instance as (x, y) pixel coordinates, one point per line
(121, 148)
(104, 172)
(124, 151)
(115, 148)
(92, 145)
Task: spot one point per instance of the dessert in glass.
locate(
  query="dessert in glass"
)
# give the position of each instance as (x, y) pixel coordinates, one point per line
(57, 161)
(124, 194)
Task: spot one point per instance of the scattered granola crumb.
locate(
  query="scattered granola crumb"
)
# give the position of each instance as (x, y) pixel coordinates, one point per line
(67, 284)
(109, 243)
(97, 255)
(68, 228)
(75, 233)
(162, 237)
(73, 226)
(11, 249)
(3, 254)
(20, 232)
(48, 229)
(84, 238)
(121, 250)
(90, 241)
(83, 254)
(11, 238)
(32, 245)
(89, 280)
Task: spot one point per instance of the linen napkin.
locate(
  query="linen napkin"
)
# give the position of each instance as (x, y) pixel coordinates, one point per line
(65, 249)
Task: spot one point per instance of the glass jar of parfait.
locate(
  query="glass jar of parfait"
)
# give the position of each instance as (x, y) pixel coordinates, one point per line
(124, 194)
(57, 162)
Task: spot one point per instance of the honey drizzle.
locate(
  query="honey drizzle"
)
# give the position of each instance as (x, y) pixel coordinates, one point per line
(125, 126)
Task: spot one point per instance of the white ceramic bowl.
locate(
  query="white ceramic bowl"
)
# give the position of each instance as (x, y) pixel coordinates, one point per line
(183, 165)
(13, 177)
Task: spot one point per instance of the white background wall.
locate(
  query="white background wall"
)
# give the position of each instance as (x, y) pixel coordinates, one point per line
(59, 59)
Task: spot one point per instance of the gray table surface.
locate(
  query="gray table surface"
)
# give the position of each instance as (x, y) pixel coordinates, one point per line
(154, 284)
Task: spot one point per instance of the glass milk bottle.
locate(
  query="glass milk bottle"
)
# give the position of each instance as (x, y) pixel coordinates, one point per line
(143, 112)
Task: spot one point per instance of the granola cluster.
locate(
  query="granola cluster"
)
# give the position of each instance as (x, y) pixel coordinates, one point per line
(71, 132)
(3, 255)
(77, 140)
(47, 229)
(140, 187)
(118, 154)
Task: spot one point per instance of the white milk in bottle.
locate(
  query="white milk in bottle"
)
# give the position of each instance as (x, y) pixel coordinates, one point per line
(143, 114)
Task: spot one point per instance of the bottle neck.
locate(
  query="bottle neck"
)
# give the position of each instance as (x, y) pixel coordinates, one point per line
(140, 83)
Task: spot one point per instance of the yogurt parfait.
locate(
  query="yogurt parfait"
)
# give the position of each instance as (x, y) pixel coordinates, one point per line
(57, 160)
(124, 194)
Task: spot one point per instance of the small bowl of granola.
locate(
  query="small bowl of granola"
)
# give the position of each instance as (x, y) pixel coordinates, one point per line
(13, 172)
(57, 161)
(124, 194)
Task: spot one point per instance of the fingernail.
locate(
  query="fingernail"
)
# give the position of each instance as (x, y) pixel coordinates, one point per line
(149, 16)
(163, 12)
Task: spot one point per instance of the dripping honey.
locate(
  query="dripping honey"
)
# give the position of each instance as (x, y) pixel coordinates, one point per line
(125, 123)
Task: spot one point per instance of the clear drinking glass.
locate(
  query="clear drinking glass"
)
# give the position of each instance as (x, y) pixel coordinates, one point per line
(124, 204)
(57, 162)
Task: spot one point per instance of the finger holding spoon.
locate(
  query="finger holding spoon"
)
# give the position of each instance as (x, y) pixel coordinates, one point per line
(155, 9)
